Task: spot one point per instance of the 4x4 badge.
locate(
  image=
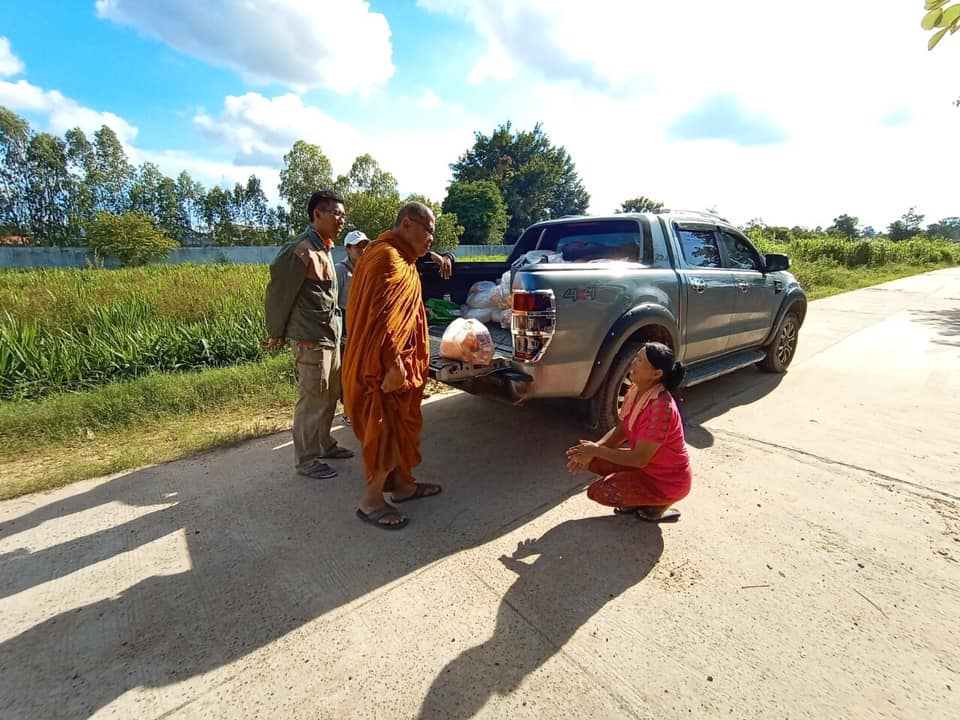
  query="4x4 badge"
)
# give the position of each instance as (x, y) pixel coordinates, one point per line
(574, 294)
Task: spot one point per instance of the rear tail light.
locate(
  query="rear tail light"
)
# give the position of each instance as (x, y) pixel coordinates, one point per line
(536, 301)
(533, 323)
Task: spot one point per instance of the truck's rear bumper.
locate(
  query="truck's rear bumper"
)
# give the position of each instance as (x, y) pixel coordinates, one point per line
(501, 379)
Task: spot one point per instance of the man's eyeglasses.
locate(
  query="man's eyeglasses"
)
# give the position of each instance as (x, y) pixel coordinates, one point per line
(336, 213)
(430, 230)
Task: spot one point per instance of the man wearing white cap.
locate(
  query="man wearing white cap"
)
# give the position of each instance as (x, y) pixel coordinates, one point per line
(355, 242)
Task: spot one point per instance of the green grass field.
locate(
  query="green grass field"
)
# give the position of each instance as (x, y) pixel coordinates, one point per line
(104, 370)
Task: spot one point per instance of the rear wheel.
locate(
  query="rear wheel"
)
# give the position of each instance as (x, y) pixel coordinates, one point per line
(605, 405)
(781, 350)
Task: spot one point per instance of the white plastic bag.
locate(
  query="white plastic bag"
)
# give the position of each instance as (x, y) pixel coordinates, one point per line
(505, 319)
(481, 314)
(468, 340)
(501, 300)
(535, 257)
(495, 315)
(481, 294)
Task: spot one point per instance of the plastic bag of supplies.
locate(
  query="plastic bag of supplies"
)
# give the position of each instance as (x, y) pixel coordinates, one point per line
(467, 340)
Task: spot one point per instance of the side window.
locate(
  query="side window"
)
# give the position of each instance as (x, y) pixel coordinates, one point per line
(741, 255)
(699, 247)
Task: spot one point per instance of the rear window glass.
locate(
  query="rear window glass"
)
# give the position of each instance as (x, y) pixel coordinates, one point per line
(586, 241)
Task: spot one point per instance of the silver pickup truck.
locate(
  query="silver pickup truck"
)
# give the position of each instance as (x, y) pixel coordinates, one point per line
(690, 280)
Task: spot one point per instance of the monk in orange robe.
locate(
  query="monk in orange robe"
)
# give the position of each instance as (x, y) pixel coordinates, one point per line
(385, 365)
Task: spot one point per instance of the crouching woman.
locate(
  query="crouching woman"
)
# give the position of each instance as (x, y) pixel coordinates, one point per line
(653, 471)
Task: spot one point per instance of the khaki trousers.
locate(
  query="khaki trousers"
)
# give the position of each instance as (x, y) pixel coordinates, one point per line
(318, 380)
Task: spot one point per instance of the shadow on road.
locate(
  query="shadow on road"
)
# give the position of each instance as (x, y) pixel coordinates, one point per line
(581, 565)
(268, 551)
(702, 403)
(946, 322)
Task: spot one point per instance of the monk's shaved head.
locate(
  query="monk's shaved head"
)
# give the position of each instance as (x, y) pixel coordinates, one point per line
(416, 211)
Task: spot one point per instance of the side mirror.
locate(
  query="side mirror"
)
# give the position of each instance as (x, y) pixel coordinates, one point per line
(777, 262)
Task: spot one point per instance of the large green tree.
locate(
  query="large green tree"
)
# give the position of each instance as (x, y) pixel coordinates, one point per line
(948, 227)
(480, 208)
(251, 212)
(366, 175)
(906, 227)
(189, 194)
(131, 237)
(641, 203)
(112, 174)
(218, 215)
(845, 225)
(153, 193)
(48, 189)
(536, 179)
(370, 196)
(305, 170)
(81, 157)
(14, 139)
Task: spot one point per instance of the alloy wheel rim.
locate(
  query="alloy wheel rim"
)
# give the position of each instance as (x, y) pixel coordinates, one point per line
(788, 342)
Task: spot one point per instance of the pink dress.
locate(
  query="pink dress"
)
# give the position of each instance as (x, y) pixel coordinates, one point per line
(666, 478)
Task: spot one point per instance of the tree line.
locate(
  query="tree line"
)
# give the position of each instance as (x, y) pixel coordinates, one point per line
(76, 190)
(907, 226)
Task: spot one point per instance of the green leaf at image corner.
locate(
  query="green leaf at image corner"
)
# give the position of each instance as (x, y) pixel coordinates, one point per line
(950, 16)
(931, 19)
(936, 38)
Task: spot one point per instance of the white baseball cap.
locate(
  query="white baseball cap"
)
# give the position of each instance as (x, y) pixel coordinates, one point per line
(354, 237)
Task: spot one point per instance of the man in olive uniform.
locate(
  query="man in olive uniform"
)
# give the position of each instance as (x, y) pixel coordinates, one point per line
(301, 308)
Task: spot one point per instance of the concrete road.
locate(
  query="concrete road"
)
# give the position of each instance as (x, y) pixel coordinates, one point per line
(815, 572)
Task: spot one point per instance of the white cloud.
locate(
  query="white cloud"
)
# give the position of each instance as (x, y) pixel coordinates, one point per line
(422, 137)
(341, 46)
(429, 100)
(262, 129)
(62, 113)
(211, 172)
(10, 64)
(609, 79)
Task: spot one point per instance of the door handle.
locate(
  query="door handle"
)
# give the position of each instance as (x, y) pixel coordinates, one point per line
(698, 285)
(744, 287)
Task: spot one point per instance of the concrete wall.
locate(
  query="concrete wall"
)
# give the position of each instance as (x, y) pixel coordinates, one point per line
(78, 257)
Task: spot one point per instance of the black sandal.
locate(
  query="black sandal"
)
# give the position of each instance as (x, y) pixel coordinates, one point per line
(424, 490)
(375, 516)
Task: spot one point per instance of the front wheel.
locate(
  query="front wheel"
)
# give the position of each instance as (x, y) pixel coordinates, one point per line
(783, 347)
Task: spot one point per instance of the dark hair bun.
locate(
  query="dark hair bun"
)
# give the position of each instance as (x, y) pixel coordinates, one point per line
(676, 375)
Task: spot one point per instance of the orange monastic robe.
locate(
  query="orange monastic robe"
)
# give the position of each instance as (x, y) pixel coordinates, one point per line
(386, 319)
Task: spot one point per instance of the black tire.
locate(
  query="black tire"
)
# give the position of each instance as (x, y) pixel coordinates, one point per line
(605, 405)
(783, 347)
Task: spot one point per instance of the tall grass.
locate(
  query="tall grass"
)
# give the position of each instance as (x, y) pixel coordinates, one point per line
(185, 293)
(865, 253)
(71, 417)
(72, 330)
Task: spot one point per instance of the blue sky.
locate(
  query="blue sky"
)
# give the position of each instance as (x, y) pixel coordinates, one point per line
(697, 104)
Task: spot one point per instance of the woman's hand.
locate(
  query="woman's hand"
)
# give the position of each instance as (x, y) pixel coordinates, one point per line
(574, 467)
(581, 454)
